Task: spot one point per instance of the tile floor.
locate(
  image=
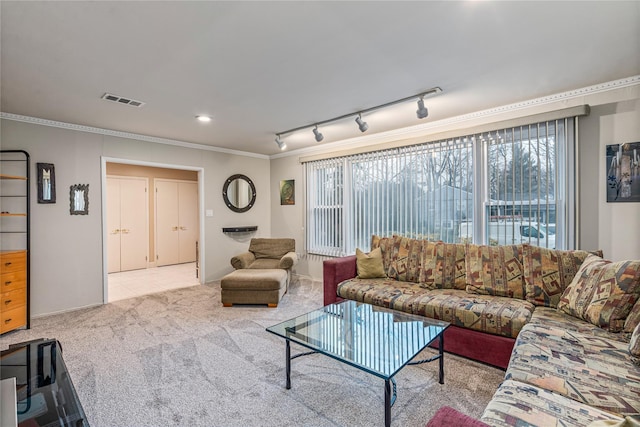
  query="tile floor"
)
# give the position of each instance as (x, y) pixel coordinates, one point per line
(129, 284)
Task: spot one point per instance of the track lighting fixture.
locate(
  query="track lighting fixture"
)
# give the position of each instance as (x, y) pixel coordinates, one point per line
(319, 136)
(422, 111)
(281, 144)
(363, 126)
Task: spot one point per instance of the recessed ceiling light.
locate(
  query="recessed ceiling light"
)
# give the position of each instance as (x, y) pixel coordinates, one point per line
(204, 119)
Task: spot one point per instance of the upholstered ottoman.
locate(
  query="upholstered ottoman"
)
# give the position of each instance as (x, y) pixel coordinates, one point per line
(254, 286)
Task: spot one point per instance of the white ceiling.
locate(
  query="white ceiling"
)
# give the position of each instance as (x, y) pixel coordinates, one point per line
(264, 67)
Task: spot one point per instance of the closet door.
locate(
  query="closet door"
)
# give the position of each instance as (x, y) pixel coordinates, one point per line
(127, 224)
(134, 224)
(188, 220)
(176, 221)
(113, 225)
(167, 223)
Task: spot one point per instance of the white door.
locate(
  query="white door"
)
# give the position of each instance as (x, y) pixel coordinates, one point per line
(113, 225)
(176, 221)
(188, 219)
(134, 225)
(127, 224)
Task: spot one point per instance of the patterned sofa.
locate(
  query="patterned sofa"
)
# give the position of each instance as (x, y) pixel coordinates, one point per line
(560, 322)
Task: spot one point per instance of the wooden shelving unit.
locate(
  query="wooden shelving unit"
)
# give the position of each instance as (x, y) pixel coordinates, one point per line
(15, 199)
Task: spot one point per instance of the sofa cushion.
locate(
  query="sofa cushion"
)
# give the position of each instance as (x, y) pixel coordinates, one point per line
(484, 313)
(443, 266)
(386, 247)
(603, 292)
(271, 247)
(634, 345)
(584, 367)
(633, 319)
(369, 266)
(548, 272)
(553, 318)
(381, 291)
(519, 404)
(406, 259)
(495, 270)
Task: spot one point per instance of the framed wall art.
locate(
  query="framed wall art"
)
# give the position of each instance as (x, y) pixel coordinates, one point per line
(623, 172)
(288, 192)
(46, 182)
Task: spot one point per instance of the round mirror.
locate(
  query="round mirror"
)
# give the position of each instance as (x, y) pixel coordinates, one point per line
(239, 193)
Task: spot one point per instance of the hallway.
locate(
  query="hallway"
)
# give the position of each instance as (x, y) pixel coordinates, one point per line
(129, 284)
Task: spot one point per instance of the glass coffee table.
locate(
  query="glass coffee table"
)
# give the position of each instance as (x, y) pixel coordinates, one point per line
(376, 340)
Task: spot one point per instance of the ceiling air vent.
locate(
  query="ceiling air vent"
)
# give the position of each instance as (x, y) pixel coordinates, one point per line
(122, 100)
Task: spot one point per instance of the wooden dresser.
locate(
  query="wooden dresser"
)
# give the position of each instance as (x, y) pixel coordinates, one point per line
(13, 290)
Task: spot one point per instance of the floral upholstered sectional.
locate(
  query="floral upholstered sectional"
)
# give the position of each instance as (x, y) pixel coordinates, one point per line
(571, 319)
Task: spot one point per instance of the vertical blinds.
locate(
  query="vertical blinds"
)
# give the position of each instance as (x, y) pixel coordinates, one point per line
(428, 191)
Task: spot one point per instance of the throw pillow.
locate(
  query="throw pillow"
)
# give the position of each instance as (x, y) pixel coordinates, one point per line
(369, 266)
(431, 276)
(495, 270)
(443, 266)
(603, 292)
(386, 246)
(548, 272)
(634, 345)
(405, 259)
(633, 319)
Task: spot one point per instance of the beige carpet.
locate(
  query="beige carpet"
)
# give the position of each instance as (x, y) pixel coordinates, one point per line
(178, 358)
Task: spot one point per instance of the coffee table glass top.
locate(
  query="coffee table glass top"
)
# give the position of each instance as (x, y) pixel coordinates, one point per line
(374, 339)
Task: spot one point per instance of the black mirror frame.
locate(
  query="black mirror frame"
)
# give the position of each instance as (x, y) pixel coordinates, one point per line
(226, 198)
(85, 192)
(41, 168)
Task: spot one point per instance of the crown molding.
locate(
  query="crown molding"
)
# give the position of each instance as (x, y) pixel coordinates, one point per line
(128, 135)
(426, 128)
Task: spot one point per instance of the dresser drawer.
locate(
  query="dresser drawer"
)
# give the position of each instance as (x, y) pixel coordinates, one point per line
(13, 299)
(13, 319)
(13, 261)
(13, 280)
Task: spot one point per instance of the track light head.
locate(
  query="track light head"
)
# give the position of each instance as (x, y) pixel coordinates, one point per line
(319, 136)
(281, 144)
(422, 111)
(362, 125)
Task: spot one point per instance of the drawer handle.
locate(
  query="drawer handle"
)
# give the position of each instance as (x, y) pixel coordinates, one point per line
(7, 302)
(8, 320)
(8, 282)
(7, 264)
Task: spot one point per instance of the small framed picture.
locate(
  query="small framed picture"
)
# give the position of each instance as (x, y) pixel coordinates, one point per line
(623, 172)
(288, 192)
(46, 183)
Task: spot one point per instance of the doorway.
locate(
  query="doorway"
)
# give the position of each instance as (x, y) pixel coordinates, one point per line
(130, 228)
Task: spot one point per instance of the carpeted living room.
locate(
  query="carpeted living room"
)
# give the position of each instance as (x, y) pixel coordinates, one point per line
(310, 213)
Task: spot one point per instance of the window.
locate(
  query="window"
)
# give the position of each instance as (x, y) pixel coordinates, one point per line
(499, 187)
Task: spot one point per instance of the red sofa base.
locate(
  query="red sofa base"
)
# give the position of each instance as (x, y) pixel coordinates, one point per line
(486, 348)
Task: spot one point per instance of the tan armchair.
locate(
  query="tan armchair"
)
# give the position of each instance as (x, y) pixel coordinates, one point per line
(267, 254)
(261, 275)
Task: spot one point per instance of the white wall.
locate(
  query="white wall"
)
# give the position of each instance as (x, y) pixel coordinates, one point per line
(614, 118)
(66, 250)
(612, 227)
